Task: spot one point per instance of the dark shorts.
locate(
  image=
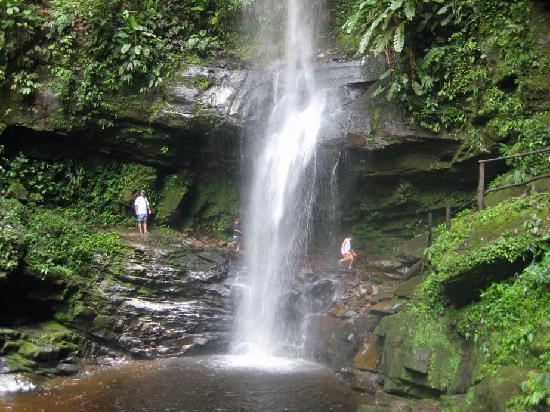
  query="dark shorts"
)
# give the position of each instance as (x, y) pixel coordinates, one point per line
(236, 239)
(141, 218)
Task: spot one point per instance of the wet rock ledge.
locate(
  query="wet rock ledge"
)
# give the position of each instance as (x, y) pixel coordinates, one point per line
(169, 298)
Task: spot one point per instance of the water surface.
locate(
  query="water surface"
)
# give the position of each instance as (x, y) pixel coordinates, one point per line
(220, 383)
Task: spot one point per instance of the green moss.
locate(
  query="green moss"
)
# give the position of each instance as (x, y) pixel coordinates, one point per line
(174, 190)
(391, 213)
(435, 342)
(63, 246)
(508, 322)
(202, 82)
(504, 231)
(19, 363)
(215, 206)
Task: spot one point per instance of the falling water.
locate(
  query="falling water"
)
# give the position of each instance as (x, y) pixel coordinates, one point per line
(281, 193)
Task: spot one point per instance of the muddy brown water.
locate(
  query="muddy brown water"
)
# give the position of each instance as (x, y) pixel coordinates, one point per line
(191, 384)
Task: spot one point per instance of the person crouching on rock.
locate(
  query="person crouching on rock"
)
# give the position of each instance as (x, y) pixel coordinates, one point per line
(348, 254)
(142, 209)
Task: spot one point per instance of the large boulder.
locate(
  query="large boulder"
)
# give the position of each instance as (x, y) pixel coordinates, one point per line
(489, 246)
(422, 357)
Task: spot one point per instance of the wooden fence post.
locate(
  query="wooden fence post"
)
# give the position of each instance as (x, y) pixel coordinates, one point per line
(448, 216)
(481, 186)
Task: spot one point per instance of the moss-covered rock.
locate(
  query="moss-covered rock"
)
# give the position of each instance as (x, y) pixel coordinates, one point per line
(214, 206)
(422, 357)
(38, 348)
(368, 357)
(408, 288)
(488, 246)
(493, 393)
(175, 189)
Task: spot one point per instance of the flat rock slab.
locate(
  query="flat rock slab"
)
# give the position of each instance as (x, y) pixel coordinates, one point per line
(388, 307)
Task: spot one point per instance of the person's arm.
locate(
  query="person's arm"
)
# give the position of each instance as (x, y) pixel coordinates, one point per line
(148, 208)
(136, 207)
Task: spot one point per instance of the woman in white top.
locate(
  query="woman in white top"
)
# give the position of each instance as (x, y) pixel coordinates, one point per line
(348, 254)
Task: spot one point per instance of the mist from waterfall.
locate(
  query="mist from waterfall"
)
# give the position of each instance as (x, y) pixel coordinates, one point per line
(281, 193)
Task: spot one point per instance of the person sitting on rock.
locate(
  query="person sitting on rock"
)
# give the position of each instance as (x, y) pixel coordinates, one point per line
(142, 209)
(237, 235)
(348, 254)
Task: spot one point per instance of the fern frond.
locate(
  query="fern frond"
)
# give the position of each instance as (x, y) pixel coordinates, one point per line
(399, 38)
(409, 9)
(396, 4)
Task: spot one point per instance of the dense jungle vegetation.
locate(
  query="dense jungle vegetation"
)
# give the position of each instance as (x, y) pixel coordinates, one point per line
(475, 69)
(91, 49)
(478, 69)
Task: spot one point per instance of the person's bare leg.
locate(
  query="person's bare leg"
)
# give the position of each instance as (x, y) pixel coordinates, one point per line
(351, 262)
(145, 226)
(139, 227)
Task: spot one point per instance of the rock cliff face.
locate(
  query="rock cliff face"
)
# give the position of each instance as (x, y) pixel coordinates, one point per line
(389, 172)
(163, 300)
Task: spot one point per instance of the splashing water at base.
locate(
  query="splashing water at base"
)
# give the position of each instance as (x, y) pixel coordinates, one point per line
(281, 196)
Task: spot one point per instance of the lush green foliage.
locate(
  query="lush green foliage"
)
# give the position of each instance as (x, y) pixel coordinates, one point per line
(509, 323)
(34, 180)
(536, 395)
(104, 194)
(508, 230)
(469, 66)
(93, 48)
(510, 319)
(64, 246)
(53, 242)
(13, 218)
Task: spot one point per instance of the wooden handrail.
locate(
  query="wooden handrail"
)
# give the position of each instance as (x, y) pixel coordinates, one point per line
(481, 192)
(518, 184)
(515, 156)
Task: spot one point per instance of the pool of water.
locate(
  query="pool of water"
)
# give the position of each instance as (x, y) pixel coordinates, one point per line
(215, 383)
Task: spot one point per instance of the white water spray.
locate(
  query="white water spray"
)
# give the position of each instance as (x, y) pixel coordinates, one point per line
(281, 195)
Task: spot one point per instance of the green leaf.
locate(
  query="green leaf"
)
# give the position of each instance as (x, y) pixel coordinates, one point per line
(125, 48)
(399, 38)
(409, 9)
(417, 89)
(396, 4)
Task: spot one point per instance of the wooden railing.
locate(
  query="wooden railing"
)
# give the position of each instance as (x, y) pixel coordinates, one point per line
(481, 192)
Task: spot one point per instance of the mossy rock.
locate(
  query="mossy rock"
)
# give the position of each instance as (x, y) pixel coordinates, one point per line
(18, 363)
(408, 288)
(17, 191)
(421, 356)
(214, 206)
(103, 326)
(175, 189)
(368, 357)
(488, 246)
(494, 392)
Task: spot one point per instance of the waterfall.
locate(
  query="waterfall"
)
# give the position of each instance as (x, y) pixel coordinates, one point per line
(281, 193)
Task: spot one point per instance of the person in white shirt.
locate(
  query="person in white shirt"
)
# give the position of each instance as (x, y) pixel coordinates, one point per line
(348, 254)
(141, 206)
